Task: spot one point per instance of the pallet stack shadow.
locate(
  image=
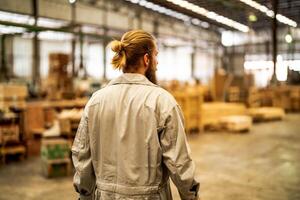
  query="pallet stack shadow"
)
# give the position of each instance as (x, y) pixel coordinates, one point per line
(55, 158)
(11, 134)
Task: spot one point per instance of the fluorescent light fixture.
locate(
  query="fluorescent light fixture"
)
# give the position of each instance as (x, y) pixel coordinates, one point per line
(11, 29)
(269, 12)
(209, 14)
(16, 18)
(52, 35)
(52, 23)
(172, 13)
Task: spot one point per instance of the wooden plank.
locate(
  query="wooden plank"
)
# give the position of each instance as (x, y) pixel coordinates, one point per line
(266, 113)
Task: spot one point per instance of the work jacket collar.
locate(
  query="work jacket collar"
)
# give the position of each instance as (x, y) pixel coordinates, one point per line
(131, 78)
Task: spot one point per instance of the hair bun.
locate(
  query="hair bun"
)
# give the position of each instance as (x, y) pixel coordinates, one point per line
(116, 46)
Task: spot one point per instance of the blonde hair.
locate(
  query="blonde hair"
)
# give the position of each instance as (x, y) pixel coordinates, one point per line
(133, 45)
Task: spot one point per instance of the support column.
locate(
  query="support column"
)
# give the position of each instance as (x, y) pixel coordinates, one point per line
(36, 77)
(274, 39)
(193, 63)
(3, 71)
(73, 21)
(105, 43)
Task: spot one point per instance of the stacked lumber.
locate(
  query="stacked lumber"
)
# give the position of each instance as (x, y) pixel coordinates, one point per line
(266, 113)
(55, 157)
(236, 123)
(12, 95)
(213, 112)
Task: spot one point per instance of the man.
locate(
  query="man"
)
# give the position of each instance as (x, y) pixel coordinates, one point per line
(131, 136)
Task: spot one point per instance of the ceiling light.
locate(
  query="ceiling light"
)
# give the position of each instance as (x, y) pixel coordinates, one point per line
(288, 38)
(252, 18)
(11, 29)
(52, 23)
(16, 18)
(72, 1)
(211, 15)
(270, 13)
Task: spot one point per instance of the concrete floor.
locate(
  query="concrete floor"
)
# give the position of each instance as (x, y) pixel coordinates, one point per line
(263, 164)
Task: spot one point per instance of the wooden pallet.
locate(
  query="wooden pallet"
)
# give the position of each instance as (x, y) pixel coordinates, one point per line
(266, 113)
(213, 112)
(236, 123)
(56, 168)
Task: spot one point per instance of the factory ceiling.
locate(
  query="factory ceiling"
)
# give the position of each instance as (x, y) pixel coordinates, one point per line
(241, 15)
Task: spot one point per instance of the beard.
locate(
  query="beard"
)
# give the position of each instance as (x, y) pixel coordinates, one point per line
(151, 73)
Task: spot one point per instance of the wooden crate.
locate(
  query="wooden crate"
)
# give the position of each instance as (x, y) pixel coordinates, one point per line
(56, 168)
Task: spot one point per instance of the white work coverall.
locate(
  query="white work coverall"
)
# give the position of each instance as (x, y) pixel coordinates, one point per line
(130, 140)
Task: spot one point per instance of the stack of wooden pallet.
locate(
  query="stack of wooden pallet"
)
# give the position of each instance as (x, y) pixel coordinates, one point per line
(12, 95)
(254, 97)
(10, 141)
(212, 113)
(236, 123)
(55, 156)
(266, 113)
(190, 102)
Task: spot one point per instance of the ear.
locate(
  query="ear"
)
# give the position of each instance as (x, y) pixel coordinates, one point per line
(146, 59)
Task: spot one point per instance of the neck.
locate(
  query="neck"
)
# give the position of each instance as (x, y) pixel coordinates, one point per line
(139, 70)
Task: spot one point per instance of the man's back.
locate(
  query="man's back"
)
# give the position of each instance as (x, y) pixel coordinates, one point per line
(123, 125)
(131, 137)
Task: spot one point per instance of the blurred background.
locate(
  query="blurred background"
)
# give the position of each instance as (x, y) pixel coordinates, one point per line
(232, 65)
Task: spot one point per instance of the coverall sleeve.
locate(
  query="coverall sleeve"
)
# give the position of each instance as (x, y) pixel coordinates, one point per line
(84, 179)
(176, 155)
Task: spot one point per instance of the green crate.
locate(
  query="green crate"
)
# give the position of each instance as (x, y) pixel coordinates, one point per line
(55, 149)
